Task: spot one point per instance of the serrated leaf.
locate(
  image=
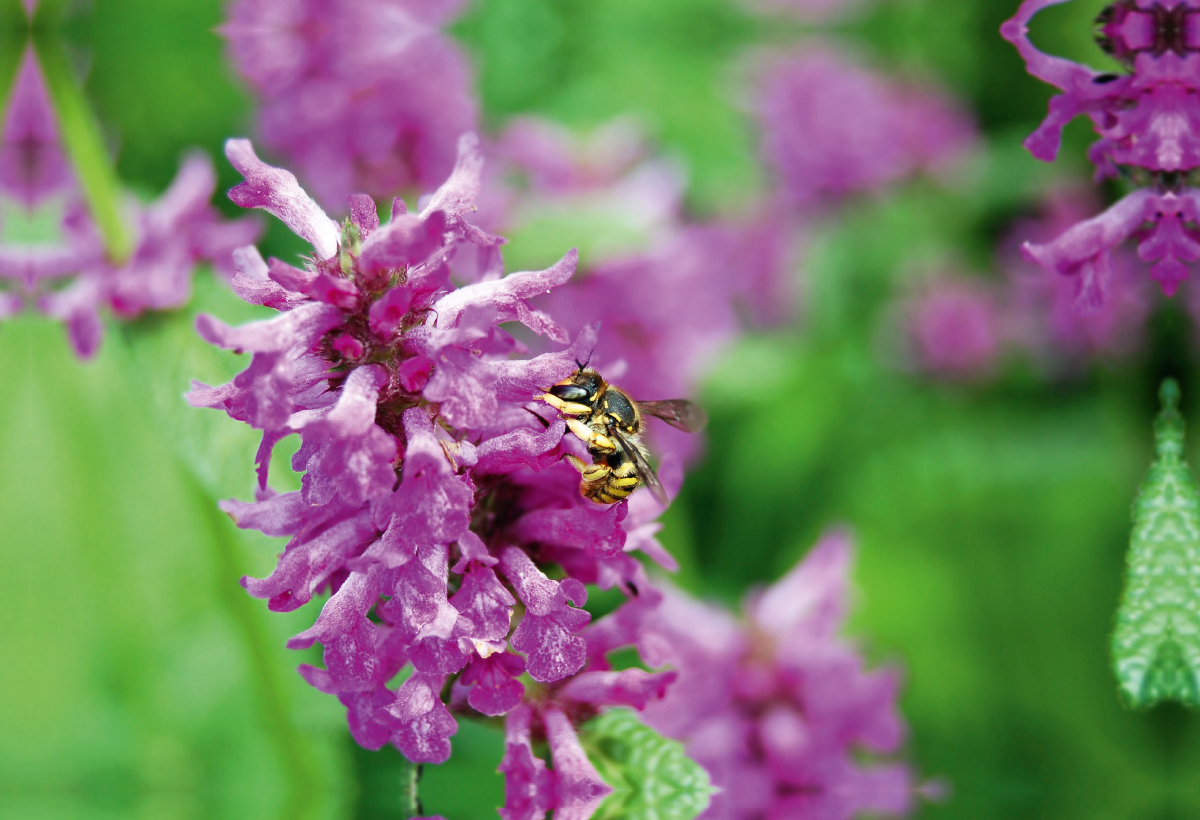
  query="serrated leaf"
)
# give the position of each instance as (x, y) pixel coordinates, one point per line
(651, 777)
(1156, 646)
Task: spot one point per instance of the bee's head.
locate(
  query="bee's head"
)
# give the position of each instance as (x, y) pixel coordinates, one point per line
(580, 386)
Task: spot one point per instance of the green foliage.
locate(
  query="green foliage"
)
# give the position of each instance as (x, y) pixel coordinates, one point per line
(1156, 646)
(84, 145)
(651, 777)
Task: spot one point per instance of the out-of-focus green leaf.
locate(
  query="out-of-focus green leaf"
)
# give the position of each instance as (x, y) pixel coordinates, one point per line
(651, 777)
(1156, 647)
(84, 143)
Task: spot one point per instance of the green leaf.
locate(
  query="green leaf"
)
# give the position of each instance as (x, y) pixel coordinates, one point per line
(1156, 647)
(651, 777)
(84, 141)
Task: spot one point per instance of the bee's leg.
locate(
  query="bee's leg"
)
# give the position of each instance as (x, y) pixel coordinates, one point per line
(592, 473)
(590, 437)
(567, 408)
(622, 481)
(594, 485)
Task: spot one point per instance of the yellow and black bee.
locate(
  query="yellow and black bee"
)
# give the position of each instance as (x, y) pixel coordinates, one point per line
(609, 422)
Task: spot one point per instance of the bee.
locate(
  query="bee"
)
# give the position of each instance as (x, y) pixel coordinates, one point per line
(610, 423)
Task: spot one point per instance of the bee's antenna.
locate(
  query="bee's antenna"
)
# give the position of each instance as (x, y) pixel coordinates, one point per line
(544, 423)
(583, 365)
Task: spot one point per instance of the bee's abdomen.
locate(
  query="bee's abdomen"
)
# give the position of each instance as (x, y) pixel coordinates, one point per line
(617, 405)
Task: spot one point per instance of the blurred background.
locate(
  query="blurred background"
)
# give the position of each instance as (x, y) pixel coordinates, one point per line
(921, 385)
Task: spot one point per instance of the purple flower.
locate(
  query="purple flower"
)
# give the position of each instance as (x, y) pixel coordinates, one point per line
(434, 493)
(953, 327)
(665, 312)
(776, 707)
(1147, 119)
(32, 165)
(831, 128)
(1042, 310)
(356, 95)
(171, 236)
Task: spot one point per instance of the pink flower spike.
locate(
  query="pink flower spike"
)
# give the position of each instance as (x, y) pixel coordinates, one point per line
(277, 192)
(580, 789)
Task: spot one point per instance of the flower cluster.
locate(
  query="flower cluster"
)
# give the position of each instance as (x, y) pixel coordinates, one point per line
(832, 128)
(434, 497)
(358, 95)
(957, 327)
(778, 710)
(1148, 122)
(170, 236)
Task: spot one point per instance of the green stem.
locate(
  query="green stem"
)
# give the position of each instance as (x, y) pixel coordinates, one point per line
(410, 774)
(302, 776)
(84, 143)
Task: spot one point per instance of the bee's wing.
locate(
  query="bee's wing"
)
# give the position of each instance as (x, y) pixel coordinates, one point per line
(679, 413)
(644, 471)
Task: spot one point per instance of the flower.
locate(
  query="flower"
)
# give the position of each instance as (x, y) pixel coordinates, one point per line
(778, 710)
(954, 327)
(358, 96)
(32, 165)
(667, 309)
(831, 128)
(1041, 304)
(171, 236)
(434, 493)
(1148, 121)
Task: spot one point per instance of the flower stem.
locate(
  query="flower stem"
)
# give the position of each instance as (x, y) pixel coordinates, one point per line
(84, 144)
(410, 774)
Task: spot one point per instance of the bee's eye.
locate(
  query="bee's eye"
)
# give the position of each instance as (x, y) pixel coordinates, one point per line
(569, 392)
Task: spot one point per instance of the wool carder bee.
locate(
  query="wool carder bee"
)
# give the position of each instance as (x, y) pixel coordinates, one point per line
(610, 423)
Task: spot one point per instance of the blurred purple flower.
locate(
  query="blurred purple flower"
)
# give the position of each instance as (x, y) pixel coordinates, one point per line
(32, 165)
(434, 495)
(72, 278)
(1147, 119)
(831, 128)
(778, 710)
(954, 328)
(363, 95)
(1042, 308)
(665, 312)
